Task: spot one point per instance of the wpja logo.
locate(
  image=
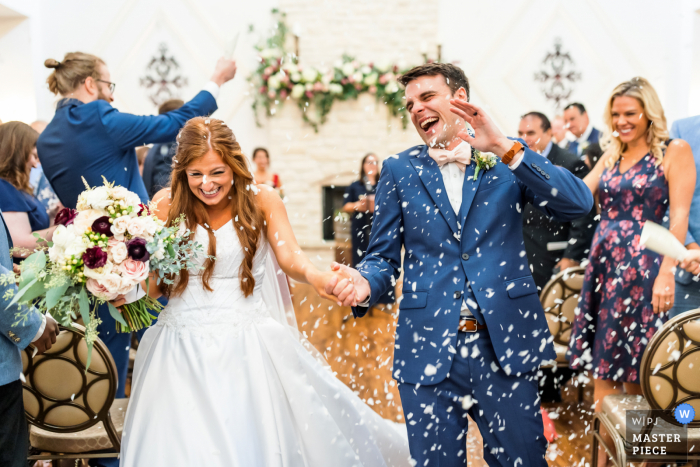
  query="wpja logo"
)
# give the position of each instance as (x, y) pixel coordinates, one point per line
(657, 434)
(684, 413)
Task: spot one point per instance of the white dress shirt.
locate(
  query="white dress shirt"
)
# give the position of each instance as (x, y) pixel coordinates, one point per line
(583, 139)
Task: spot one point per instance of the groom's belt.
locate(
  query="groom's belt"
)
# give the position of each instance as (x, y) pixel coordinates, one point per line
(470, 325)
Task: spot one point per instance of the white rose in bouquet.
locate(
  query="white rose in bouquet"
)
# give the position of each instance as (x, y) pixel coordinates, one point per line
(98, 198)
(348, 69)
(136, 226)
(117, 250)
(62, 237)
(77, 247)
(99, 273)
(85, 219)
(119, 227)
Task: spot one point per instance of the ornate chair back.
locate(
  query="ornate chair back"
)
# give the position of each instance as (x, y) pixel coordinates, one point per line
(559, 299)
(670, 370)
(60, 395)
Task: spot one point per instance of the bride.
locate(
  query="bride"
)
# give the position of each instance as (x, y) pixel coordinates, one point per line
(224, 378)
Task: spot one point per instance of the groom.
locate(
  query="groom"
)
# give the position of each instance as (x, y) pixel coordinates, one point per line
(471, 331)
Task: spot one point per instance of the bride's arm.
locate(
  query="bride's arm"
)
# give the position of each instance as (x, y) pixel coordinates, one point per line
(284, 244)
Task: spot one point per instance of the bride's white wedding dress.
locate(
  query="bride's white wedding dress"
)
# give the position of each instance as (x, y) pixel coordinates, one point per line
(219, 382)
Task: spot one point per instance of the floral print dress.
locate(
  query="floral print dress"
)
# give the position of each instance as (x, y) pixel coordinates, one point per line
(615, 319)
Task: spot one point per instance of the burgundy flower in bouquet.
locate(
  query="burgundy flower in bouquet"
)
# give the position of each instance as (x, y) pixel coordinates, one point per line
(65, 216)
(94, 257)
(137, 249)
(144, 208)
(102, 226)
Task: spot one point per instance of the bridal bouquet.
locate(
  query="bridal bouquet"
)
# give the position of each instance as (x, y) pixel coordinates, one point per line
(101, 251)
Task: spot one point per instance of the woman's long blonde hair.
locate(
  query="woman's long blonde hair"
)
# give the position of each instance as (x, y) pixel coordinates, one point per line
(198, 137)
(657, 133)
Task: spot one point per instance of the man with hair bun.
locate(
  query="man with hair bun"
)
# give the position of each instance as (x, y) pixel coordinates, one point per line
(89, 138)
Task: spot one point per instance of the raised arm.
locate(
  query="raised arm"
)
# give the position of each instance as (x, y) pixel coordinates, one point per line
(128, 131)
(284, 244)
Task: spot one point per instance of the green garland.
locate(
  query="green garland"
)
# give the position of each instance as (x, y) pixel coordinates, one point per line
(279, 77)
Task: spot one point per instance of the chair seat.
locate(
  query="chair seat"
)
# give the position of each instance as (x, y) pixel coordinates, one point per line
(94, 438)
(614, 408)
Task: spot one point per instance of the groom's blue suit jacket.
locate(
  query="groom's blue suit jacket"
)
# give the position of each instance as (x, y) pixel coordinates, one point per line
(445, 251)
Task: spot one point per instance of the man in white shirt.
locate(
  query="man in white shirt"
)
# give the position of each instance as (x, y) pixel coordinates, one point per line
(578, 123)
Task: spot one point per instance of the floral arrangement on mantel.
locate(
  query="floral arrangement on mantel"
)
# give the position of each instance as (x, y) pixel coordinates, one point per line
(280, 77)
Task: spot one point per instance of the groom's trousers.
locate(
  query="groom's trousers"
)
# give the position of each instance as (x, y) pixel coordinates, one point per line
(506, 409)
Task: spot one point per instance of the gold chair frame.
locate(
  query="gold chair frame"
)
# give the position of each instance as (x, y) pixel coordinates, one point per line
(622, 454)
(94, 415)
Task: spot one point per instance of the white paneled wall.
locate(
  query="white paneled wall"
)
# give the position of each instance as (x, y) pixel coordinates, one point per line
(501, 46)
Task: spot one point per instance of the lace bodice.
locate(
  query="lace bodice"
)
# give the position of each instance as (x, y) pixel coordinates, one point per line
(225, 310)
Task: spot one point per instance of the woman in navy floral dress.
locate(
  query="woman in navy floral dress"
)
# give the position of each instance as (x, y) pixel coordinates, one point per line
(628, 289)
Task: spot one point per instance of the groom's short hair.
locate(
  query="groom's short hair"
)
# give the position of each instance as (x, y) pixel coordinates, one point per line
(454, 76)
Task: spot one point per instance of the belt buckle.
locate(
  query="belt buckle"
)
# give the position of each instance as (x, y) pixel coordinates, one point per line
(465, 319)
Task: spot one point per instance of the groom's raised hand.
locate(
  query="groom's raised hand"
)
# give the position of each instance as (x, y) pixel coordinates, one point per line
(488, 138)
(349, 291)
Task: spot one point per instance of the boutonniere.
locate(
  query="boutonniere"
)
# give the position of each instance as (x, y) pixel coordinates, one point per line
(484, 161)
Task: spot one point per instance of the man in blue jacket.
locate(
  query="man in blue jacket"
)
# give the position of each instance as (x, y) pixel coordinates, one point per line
(89, 138)
(37, 329)
(687, 295)
(471, 330)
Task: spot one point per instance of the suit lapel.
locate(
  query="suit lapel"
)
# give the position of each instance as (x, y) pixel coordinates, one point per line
(430, 175)
(469, 189)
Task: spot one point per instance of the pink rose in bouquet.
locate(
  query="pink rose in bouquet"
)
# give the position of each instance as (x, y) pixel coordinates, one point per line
(133, 271)
(100, 291)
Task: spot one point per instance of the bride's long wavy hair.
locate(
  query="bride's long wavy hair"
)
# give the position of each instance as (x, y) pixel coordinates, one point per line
(197, 138)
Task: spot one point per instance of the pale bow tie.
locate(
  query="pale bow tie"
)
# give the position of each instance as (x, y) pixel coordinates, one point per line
(461, 155)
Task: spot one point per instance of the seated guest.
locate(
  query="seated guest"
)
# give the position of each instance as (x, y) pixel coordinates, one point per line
(551, 245)
(577, 122)
(262, 174)
(157, 166)
(24, 214)
(688, 289)
(89, 138)
(15, 336)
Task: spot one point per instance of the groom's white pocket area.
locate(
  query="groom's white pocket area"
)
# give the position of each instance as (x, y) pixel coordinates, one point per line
(417, 299)
(520, 287)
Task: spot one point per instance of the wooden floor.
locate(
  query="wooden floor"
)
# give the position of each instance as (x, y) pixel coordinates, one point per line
(360, 351)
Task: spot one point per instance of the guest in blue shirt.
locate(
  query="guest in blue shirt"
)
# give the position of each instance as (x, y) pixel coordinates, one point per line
(157, 166)
(24, 213)
(89, 138)
(687, 296)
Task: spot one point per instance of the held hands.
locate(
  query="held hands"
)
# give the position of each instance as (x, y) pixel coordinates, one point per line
(488, 137)
(349, 291)
(225, 71)
(692, 262)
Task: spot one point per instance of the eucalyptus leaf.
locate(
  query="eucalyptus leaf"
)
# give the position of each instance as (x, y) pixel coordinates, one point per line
(54, 295)
(116, 315)
(18, 296)
(89, 356)
(34, 291)
(84, 304)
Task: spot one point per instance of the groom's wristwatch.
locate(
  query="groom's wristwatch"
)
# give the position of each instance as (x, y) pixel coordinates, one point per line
(507, 157)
